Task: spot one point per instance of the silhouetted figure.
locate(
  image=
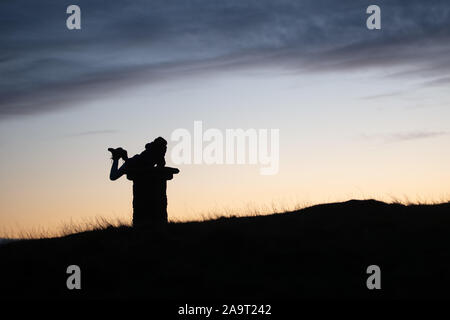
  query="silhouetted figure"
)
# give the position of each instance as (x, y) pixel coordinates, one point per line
(149, 175)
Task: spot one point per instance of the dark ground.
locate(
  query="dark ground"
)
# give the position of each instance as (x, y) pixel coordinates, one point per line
(318, 252)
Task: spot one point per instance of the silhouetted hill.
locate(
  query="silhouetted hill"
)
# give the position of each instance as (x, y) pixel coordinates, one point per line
(318, 252)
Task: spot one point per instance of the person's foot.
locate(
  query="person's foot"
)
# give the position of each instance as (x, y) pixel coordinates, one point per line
(118, 153)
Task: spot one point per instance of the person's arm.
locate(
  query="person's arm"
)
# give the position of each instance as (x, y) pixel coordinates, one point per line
(152, 172)
(116, 172)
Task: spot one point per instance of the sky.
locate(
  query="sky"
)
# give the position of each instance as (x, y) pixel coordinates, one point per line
(361, 113)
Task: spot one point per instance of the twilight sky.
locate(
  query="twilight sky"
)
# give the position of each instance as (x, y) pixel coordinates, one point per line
(361, 113)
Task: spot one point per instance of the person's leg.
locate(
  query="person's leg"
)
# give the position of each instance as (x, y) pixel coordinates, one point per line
(150, 213)
(158, 221)
(137, 218)
(140, 216)
(160, 213)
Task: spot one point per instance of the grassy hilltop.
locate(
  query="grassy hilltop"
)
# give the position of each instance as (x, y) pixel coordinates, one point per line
(317, 252)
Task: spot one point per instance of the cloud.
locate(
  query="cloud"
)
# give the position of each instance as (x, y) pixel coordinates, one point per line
(92, 132)
(383, 95)
(405, 136)
(445, 81)
(45, 67)
(415, 135)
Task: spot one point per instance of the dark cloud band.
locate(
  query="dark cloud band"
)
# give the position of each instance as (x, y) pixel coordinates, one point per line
(44, 66)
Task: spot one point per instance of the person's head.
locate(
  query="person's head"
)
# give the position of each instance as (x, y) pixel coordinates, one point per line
(155, 151)
(157, 146)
